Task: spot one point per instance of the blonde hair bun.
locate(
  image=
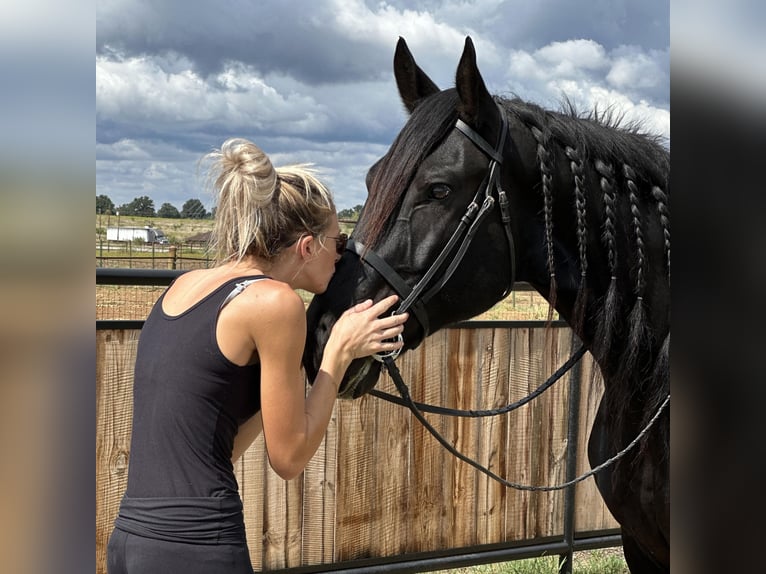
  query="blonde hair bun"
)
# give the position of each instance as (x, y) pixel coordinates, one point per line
(261, 209)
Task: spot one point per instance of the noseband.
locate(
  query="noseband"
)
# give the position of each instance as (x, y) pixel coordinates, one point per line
(415, 298)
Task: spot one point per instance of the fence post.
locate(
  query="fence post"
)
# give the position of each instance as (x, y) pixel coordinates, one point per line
(172, 251)
(573, 425)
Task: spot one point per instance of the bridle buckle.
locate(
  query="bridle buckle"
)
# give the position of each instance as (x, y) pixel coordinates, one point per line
(381, 357)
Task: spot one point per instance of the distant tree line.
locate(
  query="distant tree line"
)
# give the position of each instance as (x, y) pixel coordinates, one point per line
(351, 213)
(144, 206)
(192, 209)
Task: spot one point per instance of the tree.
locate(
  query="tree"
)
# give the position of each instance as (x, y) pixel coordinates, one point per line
(143, 206)
(104, 205)
(168, 210)
(352, 213)
(193, 209)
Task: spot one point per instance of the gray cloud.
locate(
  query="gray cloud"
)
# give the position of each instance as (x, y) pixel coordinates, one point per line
(313, 82)
(306, 40)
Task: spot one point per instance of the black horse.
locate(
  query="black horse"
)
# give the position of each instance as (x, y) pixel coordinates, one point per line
(575, 205)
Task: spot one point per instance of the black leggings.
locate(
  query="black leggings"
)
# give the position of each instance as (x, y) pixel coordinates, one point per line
(132, 554)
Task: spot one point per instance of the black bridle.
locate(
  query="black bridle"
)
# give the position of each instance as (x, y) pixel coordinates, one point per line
(415, 298)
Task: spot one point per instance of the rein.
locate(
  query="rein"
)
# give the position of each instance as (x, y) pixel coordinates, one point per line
(401, 386)
(425, 408)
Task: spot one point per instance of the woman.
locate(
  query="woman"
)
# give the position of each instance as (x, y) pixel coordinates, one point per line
(219, 360)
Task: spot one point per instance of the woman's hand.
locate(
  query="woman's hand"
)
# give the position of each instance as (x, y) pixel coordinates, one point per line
(292, 433)
(361, 332)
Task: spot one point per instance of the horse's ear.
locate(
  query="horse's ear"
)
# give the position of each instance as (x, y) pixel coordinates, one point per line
(470, 85)
(413, 83)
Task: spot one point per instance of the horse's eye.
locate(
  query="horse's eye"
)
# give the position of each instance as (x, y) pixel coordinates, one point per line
(439, 191)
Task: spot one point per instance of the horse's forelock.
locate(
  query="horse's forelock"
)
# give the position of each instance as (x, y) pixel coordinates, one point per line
(428, 125)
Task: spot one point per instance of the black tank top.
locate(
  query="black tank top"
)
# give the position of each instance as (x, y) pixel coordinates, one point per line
(188, 402)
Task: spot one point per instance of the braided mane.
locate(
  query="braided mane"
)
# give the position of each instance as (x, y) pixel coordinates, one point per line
(631, 170)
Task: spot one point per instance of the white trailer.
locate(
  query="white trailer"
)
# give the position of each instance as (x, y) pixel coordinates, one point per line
(146, 234)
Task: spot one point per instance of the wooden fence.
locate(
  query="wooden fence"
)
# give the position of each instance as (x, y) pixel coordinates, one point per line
(123, 255)
(380, 487)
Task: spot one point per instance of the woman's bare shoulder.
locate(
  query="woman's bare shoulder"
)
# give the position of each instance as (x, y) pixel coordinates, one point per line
(271, 301)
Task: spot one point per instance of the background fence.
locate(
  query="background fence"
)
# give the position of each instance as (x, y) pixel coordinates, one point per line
(127, 255)
(381, 492)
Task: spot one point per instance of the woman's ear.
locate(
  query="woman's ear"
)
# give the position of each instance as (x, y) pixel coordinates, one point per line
(307, 246)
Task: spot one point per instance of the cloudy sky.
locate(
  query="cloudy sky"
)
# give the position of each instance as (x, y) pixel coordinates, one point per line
(312, 81)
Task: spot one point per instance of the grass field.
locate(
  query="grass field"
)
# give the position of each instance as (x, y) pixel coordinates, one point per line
(176, 230)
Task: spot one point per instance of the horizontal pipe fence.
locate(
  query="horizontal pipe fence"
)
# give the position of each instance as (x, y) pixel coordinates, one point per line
(381, 495)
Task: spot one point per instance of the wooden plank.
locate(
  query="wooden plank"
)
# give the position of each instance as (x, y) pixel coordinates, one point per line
(274, 521)
(250, 471)
(539, 446)
(282, 521)
(491, 495)
(319, 500)
(431, 472)
(555, 415)
(519, 503)
(357, 476)
(462, 380)
(329, 519)
(115, 357)
(392, 445)
(590, 511)
(294, 503)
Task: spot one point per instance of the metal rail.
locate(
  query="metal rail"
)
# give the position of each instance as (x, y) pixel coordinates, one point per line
(464, 557)
(122, 276)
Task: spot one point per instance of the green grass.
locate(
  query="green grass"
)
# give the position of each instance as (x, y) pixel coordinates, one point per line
(608, 561)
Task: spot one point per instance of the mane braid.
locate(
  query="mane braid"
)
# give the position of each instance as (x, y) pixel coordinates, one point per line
(544, 158)
(630, 177)
(662, 208)
(605, 329)
(576, 166)
(638, 331)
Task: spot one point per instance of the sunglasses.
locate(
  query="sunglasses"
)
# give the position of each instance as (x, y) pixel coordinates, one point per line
(340, 242)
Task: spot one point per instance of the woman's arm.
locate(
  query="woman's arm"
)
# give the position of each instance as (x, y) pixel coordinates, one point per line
(295, 422)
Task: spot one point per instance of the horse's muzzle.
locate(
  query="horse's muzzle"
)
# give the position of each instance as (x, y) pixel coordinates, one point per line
(360, 378)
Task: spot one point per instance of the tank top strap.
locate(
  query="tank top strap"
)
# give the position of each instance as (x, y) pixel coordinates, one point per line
(238, 288)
